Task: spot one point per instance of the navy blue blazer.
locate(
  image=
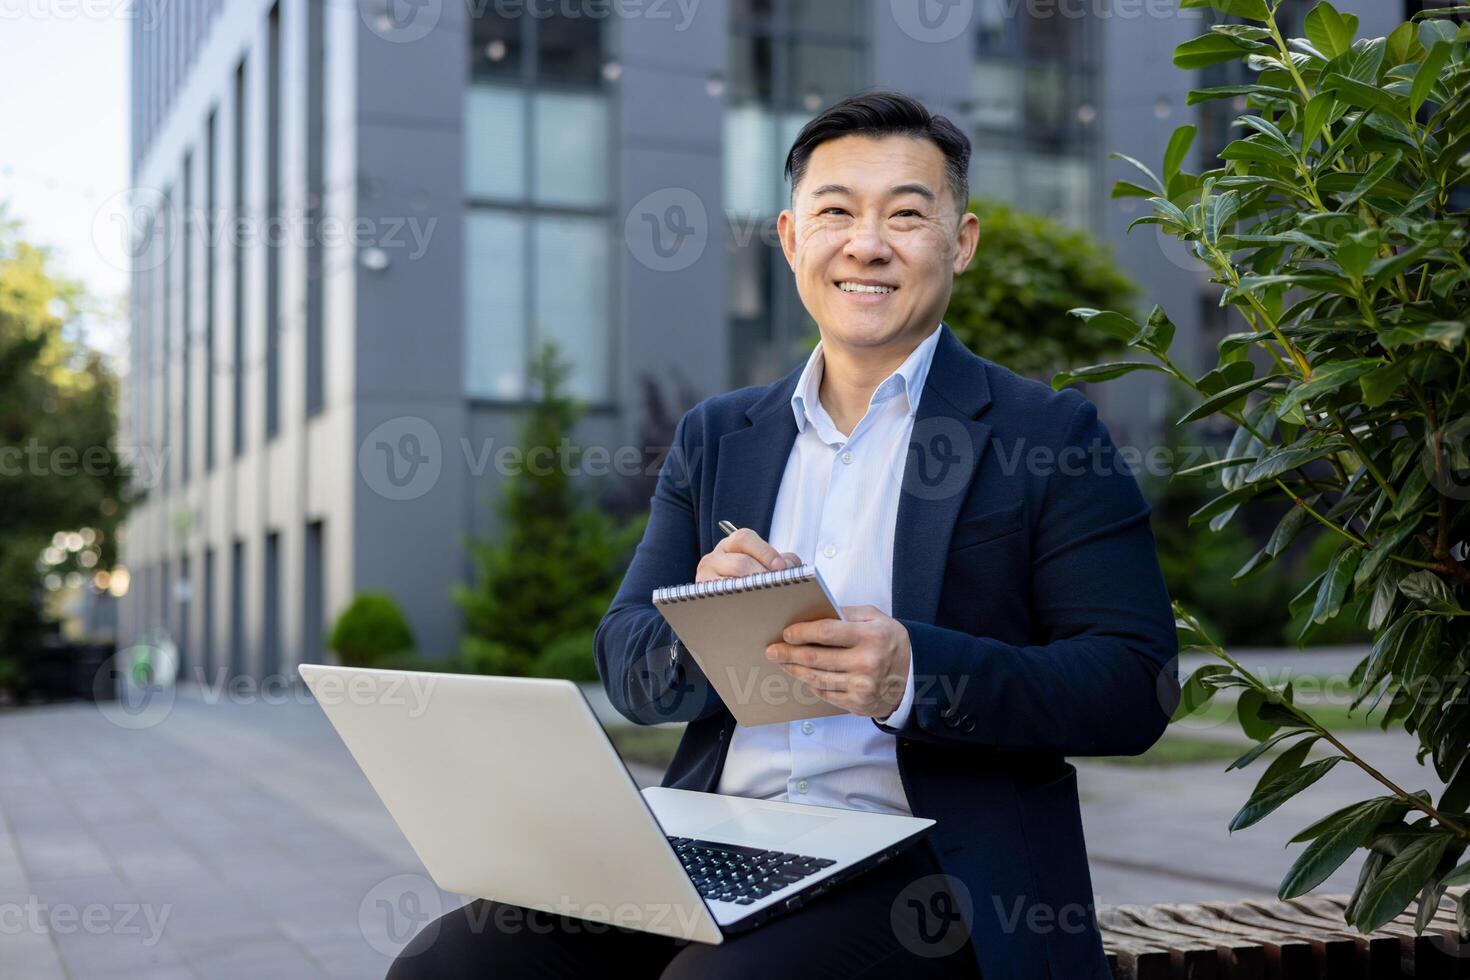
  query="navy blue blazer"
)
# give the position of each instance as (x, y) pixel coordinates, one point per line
(1024, 570)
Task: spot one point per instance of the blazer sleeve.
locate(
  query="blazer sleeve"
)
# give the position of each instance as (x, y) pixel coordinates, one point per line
(646, 677)
(1101, 676)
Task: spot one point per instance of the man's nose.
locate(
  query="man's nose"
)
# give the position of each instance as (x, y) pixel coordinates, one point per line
(867, 242)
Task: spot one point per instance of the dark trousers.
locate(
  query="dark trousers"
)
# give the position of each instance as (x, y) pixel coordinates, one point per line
(896, 920)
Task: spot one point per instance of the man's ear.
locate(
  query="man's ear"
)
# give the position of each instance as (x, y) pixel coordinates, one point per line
(967, 237)
(786, 231)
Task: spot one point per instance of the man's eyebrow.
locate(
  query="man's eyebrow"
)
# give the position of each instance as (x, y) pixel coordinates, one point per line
(831, 189)
(918, 189)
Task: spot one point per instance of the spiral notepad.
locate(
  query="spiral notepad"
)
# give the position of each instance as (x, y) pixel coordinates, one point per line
(726, 624)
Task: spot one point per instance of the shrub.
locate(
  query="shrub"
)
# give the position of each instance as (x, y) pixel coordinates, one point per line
(1011, 304)
(1337, 228)
(371, 632)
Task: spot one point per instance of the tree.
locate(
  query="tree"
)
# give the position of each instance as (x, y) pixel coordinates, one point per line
(1011, 304)
(1337, 227)
(544, 585)
(59, 468)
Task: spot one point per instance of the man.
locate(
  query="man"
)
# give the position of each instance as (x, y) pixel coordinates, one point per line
(1002, 602)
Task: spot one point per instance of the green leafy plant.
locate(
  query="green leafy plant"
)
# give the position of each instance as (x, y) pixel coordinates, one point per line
(545, 584)
(1011, 304)
(1336, 227)
(371, 632)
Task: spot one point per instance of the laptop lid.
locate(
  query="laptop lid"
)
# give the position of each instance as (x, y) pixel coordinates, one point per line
(446, 753)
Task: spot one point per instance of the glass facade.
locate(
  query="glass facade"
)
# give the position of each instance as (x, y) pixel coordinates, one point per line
(1033, 114)
(538, 182)
(788, 59)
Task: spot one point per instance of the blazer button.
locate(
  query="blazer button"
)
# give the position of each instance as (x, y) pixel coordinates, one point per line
(968, 725)
(949, 711)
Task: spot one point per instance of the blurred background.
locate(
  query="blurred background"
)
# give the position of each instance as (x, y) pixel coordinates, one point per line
(292, 288)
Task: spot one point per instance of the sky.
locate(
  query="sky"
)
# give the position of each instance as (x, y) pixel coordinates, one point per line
(64, 140)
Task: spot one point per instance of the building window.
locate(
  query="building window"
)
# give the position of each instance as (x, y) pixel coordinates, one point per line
(313, 598)
(237, 609)
(270, 648)
(315, 204)
(211, 202)
(1033, 112)
(788, 59)
(275, 247)
(237, 364)
(166, 329)
(207, 620)
(186, 277)
(538, 227)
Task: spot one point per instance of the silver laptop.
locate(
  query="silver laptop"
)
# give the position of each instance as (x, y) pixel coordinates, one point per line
(508, 789)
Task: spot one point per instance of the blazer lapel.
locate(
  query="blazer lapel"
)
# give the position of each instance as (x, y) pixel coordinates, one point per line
(752, 461)
(944, 450)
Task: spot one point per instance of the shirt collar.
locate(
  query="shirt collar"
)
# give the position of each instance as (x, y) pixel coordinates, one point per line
(907, 380)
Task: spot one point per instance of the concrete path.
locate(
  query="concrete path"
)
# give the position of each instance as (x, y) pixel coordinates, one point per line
(240, 840)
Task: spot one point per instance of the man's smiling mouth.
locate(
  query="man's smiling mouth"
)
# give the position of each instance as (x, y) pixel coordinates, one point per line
(854, 286)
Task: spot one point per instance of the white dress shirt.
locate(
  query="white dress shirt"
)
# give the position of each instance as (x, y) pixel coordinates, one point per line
(836, 509)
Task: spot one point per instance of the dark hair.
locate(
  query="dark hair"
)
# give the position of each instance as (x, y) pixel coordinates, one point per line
(885, 114)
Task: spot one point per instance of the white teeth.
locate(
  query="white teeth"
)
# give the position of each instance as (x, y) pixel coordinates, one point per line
(856, 287)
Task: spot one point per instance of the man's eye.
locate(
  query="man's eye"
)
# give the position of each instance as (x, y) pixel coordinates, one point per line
(832, 209)
(907, 213)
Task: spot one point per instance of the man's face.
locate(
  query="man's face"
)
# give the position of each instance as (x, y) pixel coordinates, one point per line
(876, 211)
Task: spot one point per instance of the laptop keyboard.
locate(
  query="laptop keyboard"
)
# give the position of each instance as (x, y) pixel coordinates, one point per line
(730, 873)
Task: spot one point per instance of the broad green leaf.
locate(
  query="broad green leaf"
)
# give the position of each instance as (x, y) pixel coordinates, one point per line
(1335, 843)
(1276, 462)
(1367, 96)
(1335, 584)
(1267, 798)
(1445, 333)
(1259, 749)
(1127, 188)
(1428, 73)
(1211, 49)
(1372, 178)
(1249, 9)
(1430, 591)
(1140, 167)
(1101, 372)
(1315, 116)
(1226, 501)
(1379, 384)
(1111, 323)
(1197, 690)
(1177, 150)
(1329, 377)
(1329, 31)
(1222, 401)
(1400, 880)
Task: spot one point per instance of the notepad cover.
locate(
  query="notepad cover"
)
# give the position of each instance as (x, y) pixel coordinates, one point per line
(727, 634)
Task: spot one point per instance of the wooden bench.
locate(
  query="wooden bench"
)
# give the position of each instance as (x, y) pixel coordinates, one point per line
(1301, 939)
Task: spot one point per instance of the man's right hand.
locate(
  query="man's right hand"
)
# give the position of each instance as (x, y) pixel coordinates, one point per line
(743, 553)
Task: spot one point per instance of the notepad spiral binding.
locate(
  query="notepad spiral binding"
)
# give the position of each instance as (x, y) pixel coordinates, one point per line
(730, 586)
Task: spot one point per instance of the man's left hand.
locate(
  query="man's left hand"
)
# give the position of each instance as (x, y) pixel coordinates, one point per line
(859, 663)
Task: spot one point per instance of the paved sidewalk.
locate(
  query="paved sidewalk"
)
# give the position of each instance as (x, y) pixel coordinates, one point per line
(240, 840)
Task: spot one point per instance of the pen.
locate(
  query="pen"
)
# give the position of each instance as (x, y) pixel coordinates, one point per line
(728, 528)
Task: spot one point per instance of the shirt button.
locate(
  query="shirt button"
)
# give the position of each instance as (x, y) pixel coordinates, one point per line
(807, 728)
(830, 550)
(803, 786)
(847, 456)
